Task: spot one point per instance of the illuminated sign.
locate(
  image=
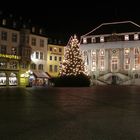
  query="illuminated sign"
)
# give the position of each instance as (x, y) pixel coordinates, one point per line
(10, 56)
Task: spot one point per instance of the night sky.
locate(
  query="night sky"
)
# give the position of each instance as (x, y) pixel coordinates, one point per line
(62, 21)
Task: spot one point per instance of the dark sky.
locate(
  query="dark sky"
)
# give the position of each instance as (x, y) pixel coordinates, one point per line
(62, 21)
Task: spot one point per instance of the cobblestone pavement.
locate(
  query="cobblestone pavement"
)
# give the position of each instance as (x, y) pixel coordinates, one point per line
(93, 113)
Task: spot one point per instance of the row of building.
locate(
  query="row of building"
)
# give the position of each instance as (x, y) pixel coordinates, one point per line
(26, 57)
(111, 54)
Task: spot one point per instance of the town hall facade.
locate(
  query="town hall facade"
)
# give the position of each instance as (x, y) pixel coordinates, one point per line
(111, 53)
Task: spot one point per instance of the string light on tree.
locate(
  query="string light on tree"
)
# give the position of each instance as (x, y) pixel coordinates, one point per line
(73, 63)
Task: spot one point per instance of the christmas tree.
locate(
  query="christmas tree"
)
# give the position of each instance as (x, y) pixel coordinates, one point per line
(73, 63)
(72, 69)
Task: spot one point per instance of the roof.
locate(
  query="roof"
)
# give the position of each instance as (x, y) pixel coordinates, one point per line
(115, 27)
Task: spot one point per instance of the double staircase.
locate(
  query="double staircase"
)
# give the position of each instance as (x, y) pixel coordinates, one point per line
(114, 78)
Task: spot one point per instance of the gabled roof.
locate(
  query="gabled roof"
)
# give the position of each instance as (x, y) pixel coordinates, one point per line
(114, 27)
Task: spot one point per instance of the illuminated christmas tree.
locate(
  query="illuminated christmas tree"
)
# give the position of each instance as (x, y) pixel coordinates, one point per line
(72, 69)
(73, 63)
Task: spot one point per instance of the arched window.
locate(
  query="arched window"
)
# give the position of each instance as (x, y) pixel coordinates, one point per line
(40, 67)
(33, 66)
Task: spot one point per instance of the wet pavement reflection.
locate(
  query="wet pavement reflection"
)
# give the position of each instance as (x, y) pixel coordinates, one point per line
(93, 113)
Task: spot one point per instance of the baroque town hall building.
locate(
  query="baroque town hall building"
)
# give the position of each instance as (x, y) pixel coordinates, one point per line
(112, 53)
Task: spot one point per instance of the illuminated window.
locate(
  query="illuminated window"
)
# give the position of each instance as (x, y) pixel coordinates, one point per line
(84, 40)
(3, 64)
(41, 55)
(93, 39)
(127, 63)
(102, 52)
(4, 22)
(126, 51)
(136, 37)
(102, 65)
(55, 49)
(37, 55)
(126, 37)
(114, 64)
(101, 39)
(33, 29)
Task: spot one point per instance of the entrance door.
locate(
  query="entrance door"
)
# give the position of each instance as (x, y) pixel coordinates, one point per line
(114, 65)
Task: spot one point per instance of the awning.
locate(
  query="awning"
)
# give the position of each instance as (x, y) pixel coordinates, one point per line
(41, 75)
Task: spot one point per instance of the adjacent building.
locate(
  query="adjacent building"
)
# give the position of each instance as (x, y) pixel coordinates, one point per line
(23, 55)
(111, 53)
(55, 56)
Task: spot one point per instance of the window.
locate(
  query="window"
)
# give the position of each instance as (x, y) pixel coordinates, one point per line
(3, 64)
(84, 40)
(13, 51)
(41, 43)
(3, 49)
(40, 67)
(4, 22)
(126, 63)
(55, 49)
(136, 37)
(37, 55)
(50, 68)
(126, 37)
(60, 58)
(126, 51)
(102, 52)
(13, 65)
(50, 57)
(136, 51)
(24, 65)
(33, 66)
(93, 40)
(50, 48)
(33, 41)
(102, 65)
(55, 58)
(101, 39)
(41, 55)
(4, 35)
(55, 68)
(60, 49)
(14, 37)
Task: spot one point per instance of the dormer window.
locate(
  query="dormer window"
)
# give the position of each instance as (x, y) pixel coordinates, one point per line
(93, 40)
(33, 29)
(84, 40)
(126, 37)
(4, 22)
(101, 39)
(136, 37)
